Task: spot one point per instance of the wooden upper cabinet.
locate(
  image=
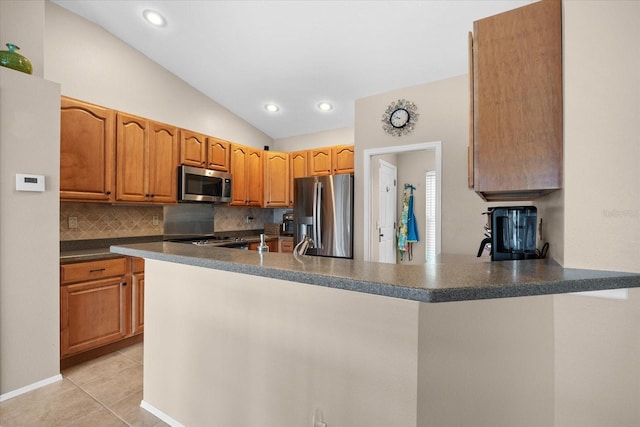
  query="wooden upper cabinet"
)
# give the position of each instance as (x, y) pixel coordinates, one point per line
(193, 149)
(342, 159)
(218, 154)
(332, 160)
(163, 163)
(517, 102)
(247, 181)
(87, 152)
(298, 168)
(146, 157)
(276, 179)
(320, 161)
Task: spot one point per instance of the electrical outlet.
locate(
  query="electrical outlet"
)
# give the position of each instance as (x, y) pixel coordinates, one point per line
(155, 220)
(73, 222)
(318, 419)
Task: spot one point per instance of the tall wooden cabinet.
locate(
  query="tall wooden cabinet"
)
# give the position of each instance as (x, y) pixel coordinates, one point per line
(517, 145)
(147, 158)
(276, 179)
(87, 152)
(247, 170)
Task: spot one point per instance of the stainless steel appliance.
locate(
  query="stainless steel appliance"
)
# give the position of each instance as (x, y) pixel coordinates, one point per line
(323, 213)
(287, 224)
(203, 185)
(511, 232)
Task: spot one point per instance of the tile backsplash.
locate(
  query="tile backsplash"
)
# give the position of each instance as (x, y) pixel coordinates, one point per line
(103, 221)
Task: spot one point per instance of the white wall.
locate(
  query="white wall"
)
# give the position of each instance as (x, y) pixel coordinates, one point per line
(29, 269)
(94, 66)
(597, 341)
(444, 113)
(249, 351)
(342, 136)
(602, 128)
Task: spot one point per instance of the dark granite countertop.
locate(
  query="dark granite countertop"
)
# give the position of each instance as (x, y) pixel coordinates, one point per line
(452, 278)
(94, 249)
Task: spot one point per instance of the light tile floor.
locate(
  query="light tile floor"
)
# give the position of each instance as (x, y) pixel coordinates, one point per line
(103, 392)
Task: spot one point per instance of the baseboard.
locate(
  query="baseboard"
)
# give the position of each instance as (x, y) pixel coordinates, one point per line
(30, 387)
(164, 417)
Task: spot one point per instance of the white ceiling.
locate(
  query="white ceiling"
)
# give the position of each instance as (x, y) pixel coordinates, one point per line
(245, 54)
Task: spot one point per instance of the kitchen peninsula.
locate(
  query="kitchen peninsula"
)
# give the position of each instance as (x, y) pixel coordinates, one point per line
(276, 340)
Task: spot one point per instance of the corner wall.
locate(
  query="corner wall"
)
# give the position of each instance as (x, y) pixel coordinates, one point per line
(29, 266)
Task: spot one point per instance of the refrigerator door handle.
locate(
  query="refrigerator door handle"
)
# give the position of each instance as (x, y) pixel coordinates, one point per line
(317, 213)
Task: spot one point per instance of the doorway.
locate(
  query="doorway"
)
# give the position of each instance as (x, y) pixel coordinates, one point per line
(371, 209)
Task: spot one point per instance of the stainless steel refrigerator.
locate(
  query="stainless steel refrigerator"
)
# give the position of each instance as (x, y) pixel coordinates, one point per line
(323, 211)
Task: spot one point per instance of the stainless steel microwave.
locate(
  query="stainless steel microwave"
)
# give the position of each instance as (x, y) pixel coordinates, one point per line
(203, 185)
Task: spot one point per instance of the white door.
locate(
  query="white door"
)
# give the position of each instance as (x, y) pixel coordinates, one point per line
(387, 192)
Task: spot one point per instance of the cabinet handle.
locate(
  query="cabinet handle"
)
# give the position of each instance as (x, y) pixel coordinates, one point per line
(107, 193)
(124, 283)
(97, 270)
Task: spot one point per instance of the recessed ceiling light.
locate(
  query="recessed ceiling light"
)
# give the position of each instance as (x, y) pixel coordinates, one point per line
(154, 17)
(325, 106)
(273, 108)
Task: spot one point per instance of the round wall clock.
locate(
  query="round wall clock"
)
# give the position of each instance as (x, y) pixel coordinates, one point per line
(400, 117)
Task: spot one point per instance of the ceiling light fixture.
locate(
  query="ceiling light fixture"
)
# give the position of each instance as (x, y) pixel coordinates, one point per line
(154, 17)
(325, 106)
(272, 108)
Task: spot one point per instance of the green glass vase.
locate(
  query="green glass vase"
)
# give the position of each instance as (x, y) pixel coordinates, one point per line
(12, 59)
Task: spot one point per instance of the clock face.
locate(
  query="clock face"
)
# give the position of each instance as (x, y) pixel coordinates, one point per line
(399, 118)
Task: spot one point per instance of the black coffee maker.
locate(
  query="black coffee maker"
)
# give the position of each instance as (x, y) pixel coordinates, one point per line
(511, 232)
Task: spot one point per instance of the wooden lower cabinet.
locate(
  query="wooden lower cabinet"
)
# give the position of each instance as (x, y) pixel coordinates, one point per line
(100, 307)
(286, 245)
(271, 243)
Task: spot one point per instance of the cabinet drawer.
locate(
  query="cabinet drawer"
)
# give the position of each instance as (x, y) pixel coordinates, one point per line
(90, 270)
(286, 246)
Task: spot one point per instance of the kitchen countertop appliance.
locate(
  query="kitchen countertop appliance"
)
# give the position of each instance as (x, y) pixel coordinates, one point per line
(323, 215)
(511, 233)
(287, 224)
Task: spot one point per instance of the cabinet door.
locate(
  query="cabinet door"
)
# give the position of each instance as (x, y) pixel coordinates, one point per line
(255, 178)
(238, 171)
(93, 313)
(517, 72)
(193, 149)
(131, 158)
(342, 158)
(276, 179)
(299, 168)
(320, 161)
(162, 163)
(218, 154)
(87, 152)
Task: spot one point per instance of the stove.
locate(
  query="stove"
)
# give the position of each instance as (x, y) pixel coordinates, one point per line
(214, 241)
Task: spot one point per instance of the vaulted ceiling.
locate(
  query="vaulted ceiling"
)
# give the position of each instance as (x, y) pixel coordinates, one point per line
(296, 54)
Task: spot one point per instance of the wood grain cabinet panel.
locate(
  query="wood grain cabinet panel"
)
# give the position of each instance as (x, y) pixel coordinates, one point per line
(320, 161)
(247, 171)
(517, 102)
(218, 154)
(342, 159)
(146, 158)
(298, 168)
(276, 179)
(87, 152)
(94, 305)
(193, 149)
